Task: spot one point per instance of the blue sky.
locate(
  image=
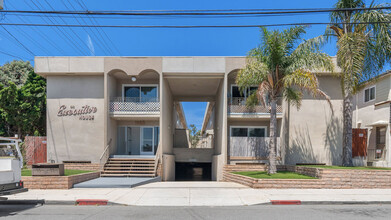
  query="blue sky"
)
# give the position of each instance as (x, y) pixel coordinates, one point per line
(51, 41)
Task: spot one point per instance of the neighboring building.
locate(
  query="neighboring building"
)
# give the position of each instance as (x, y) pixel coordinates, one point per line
(372, 118)
(127, 108)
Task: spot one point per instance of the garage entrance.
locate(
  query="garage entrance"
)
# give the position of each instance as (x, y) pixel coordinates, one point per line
(188, 171)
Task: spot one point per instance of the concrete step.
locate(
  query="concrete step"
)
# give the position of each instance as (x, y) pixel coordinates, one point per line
(128, 171)
(127, 175)
(129, 168)
(130, 165)
(131, 162)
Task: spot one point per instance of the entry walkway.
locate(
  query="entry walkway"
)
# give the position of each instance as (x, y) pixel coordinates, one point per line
(204, 194)
(117, 182)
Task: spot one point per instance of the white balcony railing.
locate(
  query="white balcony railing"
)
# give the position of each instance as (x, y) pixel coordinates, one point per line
(120, 105)
(251, 147)
(238, 105)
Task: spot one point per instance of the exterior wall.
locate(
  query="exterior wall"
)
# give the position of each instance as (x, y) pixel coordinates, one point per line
(315, 132)
(219, 133)
(68, 137)
(367, 113)
(383, 89)
(167, 126)
(203, 155)
(111, 123)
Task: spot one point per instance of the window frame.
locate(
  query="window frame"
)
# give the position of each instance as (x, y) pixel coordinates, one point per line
(245, 95)
(139, 85)
(248, 130)
(369, 90)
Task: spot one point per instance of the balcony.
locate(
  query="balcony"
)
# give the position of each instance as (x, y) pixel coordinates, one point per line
(251, 148)
(237, 105)
(138, 106)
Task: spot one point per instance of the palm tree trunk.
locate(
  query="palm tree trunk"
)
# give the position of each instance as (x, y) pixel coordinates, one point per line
(273, 137)
(347, 130)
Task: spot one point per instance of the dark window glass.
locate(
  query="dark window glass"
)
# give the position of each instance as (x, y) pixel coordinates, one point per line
(372, 93)
(239, 132)
(369, 94)
(236, 92)
(256, 132)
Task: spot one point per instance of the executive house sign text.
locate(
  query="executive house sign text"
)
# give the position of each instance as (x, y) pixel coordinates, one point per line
(84, 113)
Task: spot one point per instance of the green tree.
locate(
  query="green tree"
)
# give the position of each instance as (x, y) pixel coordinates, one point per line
(364, 47)
(15, 71)
(280, 66)
(23, 109)
(194, 135)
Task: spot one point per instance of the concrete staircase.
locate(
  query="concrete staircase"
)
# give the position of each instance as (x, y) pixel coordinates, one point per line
(129, 167)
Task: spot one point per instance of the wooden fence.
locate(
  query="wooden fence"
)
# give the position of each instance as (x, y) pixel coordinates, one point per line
(35, 148)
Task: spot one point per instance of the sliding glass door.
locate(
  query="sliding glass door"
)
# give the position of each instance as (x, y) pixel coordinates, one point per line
(140, 93)
(147, 145)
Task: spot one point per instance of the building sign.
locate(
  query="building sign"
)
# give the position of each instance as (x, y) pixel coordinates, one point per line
(84, 113)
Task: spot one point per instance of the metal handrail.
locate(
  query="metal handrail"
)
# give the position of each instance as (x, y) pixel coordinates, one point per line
(157, 157)
(105, 151)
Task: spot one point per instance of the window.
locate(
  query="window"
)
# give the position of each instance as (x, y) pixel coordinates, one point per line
(369, 94)
(236, 93)
(248, 131)
(137, 93)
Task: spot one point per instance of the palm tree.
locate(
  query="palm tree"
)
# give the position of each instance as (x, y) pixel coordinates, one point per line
(364, 47)
(280, 66)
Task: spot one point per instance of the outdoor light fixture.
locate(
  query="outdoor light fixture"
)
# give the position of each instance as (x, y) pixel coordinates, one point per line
(134, 79)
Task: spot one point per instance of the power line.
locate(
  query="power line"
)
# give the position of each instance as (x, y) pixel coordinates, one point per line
(39, 33)
(15, 56)
(60, 31)
(137, 13)
(193, 26)
(81, 3)
(101, 42)
(20, 43)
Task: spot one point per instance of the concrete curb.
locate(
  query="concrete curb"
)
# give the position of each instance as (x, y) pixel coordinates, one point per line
(333, 203)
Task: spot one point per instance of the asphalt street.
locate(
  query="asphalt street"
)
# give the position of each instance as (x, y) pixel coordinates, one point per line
(291, 212)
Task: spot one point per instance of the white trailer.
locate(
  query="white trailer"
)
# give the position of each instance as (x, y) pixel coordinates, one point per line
(11, 164)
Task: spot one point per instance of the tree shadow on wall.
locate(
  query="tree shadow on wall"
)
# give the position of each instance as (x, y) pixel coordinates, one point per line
(258, 146)
(333, 139)
(300, 149)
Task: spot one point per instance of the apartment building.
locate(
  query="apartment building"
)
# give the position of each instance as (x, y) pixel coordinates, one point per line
(371, 120)
(125, 112)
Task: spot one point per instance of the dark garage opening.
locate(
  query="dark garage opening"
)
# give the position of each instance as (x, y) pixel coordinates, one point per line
(193, 171)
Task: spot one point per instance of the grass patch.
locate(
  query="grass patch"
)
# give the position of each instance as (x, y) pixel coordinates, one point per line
(27, 172)
(346, 168)
(278, 175)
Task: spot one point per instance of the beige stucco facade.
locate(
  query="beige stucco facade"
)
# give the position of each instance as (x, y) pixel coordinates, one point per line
(311, 134)
(373, 115)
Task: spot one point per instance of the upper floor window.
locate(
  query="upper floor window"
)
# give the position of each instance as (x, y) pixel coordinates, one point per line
(140, 93)
(369, 94)
(236, 93)
(248, 131)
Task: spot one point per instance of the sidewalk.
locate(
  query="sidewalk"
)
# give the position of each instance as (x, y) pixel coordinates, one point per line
(204, 194)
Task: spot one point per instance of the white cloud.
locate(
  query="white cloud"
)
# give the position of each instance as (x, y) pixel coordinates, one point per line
(90, 45)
